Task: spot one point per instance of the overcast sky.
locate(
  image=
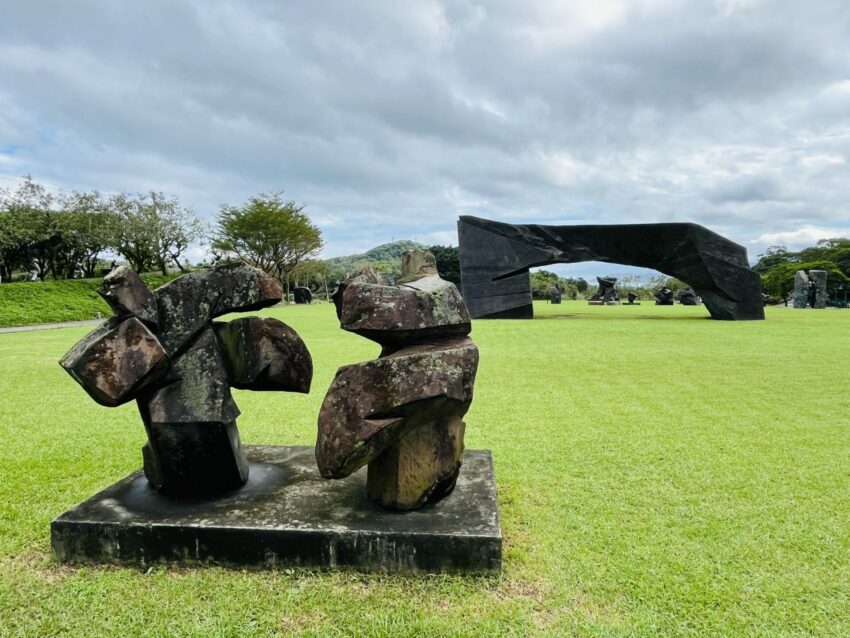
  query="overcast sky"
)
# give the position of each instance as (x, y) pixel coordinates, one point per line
(390, 119)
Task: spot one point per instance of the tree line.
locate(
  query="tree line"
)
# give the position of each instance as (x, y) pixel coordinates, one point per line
(74, 234)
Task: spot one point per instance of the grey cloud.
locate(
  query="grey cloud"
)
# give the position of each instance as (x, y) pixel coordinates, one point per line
(390, 119)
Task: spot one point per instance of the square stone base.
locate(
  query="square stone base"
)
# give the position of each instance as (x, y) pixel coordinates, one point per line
(288, 515)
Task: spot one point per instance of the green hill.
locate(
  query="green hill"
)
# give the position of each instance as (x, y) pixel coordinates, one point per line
(385, 258)
(31, 303)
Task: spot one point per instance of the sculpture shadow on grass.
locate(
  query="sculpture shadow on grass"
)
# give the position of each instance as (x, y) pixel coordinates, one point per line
(495, 259)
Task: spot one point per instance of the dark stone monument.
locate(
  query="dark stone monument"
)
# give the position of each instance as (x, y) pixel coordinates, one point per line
(302, 295)
(555, 294)
(401, 414)
(605, 293)
(495, 258)
(688, 297)
(164, 350)
(664, 296)
(632, 299)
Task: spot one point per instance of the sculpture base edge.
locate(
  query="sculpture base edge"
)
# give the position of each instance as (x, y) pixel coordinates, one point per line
(286, 515)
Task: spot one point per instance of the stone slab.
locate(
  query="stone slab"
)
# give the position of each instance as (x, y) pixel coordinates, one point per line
(287, 515)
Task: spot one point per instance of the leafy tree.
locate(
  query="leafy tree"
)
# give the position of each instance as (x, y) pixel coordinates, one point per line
(448, 262)
(774, 256)
(150, 230)
(268, 233)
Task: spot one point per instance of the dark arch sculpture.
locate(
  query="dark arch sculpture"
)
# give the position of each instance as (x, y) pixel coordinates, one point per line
(495, 258)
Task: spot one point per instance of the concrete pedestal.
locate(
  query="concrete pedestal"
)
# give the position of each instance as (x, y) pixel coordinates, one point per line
(287, 515)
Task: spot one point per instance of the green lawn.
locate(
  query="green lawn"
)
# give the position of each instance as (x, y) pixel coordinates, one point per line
(658, 473)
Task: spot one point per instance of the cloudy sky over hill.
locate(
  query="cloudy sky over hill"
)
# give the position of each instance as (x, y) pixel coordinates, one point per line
(390, 119)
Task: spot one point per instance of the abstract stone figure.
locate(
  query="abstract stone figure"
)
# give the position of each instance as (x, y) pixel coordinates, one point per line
(495, 258)
(163, 349)
(401, 414)
(606, 293)
(302, 295)
(632, 297)
(664, 296)
(556, 294)
(810, 289)
(688, 297)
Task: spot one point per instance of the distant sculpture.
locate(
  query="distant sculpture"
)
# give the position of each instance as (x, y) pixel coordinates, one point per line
(163, 349)
(495, 258)
(664, 296)
(302, 295)
(632, 297)
(77, 273)
(35, 270)
(555, 294)
(606, 293)
(810, 289)
(401, 414)
(688, 297)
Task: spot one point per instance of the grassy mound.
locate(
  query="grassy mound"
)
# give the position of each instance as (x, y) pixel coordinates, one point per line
(31, 303)
(658, 474)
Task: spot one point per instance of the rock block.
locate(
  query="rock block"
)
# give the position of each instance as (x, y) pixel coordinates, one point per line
(116, 360)
(264, 354)
(127, 294)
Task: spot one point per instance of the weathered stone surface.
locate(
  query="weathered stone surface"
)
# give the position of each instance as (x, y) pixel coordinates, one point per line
(188, 304)
(287, 515)
(495, 258)
(127, 294)
(366, 275)
(179, 374)
(416, 264)
(664, 296)
(416, 311)
(802, 288)
(196, 388)
(422, 466)
(115, 361)
(193, 444)
(302, 295)
(264, 354)
(371, 405)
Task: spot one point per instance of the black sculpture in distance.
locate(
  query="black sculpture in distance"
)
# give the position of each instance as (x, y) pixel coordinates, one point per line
(495, 258)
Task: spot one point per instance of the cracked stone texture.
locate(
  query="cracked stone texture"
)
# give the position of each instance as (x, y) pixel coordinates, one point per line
(189, 303)
(116, 360)
(394, 315)
(495, 258)
(264, 354)
(416, 264)
(127, 294)
(422, 466)
(180, 368)
(370, 406)
(366, 275)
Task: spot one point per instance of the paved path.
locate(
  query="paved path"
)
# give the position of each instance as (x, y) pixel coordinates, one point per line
(52, 326)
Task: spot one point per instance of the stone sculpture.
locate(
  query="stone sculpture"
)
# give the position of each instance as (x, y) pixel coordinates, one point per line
(555, 294)
(664, 296)
(632, 297)
(163, 349)
(810, 289)
(401, 414)
(495, 258)
(688, 297)
(606, 293)
(302, 295)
